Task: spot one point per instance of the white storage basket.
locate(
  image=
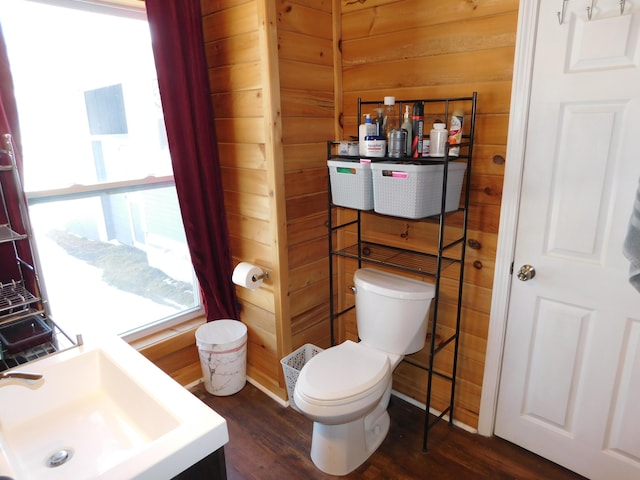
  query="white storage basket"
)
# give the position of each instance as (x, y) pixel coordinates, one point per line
(351, 184)
(293, 363)
(415, 191)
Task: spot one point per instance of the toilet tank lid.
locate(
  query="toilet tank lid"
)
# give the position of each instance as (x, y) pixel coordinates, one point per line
(391, 285)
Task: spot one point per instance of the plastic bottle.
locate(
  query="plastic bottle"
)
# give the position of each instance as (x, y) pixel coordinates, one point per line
(406, 126)
(438, 139)
(391, 119)
(366, 129)
(378, 122)
(417, 129)
(397, 144)
(455, 132)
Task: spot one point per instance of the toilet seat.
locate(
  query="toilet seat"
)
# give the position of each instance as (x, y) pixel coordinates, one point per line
(343, 374)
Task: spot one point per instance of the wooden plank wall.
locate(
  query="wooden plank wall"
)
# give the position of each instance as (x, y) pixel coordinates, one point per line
(271, 75)
(434, 49)
(238, 55)
(275, 69)
(306, 66)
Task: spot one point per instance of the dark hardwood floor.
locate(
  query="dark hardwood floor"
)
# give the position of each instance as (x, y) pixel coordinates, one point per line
(268, 441)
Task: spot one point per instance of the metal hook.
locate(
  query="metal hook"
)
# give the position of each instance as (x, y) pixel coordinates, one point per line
(621, 3)
(590, 10)
(262, 276)
(561, 14)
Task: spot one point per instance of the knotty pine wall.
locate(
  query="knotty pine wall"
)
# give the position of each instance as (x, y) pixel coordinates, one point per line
(429, 48)
(271, 72)
(284, 78)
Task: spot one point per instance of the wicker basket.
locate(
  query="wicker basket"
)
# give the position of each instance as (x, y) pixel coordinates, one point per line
(293, 363)
(415, 191)
(351, 184)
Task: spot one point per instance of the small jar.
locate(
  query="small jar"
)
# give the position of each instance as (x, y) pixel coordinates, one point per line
(375, 146)
(438, 139)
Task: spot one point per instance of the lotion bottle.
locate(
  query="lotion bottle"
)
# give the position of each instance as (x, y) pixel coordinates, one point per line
(366, 129)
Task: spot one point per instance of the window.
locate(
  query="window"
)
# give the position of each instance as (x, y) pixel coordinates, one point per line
(97, 170)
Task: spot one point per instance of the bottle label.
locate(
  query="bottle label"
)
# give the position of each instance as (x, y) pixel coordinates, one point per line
(455, 135)
(418, 133)
(375, 147)
(426, 147)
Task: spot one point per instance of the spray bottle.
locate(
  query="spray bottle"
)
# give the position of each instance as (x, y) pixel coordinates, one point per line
(417, 129)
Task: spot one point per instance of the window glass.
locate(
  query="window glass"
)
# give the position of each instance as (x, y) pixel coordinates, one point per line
(97, 169)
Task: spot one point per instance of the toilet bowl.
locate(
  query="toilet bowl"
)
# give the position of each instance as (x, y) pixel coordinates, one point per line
(343, 383)
(345, 389)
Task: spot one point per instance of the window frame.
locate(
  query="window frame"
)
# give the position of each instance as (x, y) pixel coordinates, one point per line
(133, 9)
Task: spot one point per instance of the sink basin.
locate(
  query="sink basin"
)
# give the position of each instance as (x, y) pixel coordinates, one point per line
(102, 410)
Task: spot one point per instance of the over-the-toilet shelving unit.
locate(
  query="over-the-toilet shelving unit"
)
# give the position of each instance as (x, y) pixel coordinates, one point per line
(450, 252)
(23, 307)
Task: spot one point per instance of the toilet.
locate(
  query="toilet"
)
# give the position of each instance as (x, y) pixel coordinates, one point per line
(345, 389)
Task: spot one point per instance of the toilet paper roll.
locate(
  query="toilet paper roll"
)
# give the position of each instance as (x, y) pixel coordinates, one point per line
(247, 275)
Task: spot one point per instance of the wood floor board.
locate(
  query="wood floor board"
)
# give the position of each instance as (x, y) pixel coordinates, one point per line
(268, 441)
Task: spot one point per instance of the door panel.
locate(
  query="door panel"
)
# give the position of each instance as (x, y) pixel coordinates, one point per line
(624, 434)
(570, 379)
(555, 363)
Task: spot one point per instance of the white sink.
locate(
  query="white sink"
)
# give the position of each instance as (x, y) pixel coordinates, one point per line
(106, 409)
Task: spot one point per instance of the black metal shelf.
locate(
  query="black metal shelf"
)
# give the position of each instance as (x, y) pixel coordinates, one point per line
(14, 297)
(20, 294)
(8, 235)
(59, 341)
(427, 265)
(398, 258)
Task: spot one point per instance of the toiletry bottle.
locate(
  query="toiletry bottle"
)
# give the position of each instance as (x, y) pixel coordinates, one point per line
(455, 132)
(407, 127)
(378, 122)
(438, 139)
(391, 119)
(397, 143)
(375, 146)
(417, 129)
(366, 129)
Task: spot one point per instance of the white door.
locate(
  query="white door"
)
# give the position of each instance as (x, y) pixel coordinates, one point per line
(570, 380)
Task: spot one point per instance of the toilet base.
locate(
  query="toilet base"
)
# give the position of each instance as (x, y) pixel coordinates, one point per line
(340, 449)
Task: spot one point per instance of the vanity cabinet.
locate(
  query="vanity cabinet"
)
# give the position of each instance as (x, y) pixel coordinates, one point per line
(27, 331)
(212, 467)
(360, 238)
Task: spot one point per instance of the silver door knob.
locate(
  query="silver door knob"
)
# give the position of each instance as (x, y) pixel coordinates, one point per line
(526, 272)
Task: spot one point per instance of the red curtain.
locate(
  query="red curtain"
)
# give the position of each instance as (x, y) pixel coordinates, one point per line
(9, 270)
(178, 47)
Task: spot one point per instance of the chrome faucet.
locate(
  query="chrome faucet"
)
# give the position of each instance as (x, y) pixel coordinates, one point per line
(20, 375)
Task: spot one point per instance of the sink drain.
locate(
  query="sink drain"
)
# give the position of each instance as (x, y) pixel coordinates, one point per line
(60, 457)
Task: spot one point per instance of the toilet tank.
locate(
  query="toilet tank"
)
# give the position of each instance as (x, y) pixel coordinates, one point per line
(391, 310)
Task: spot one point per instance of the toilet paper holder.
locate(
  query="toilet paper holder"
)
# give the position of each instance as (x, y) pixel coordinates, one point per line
(262, 276)
(249, 276)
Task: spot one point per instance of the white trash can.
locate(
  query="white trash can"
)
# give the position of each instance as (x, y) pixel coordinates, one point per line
(222, 345)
